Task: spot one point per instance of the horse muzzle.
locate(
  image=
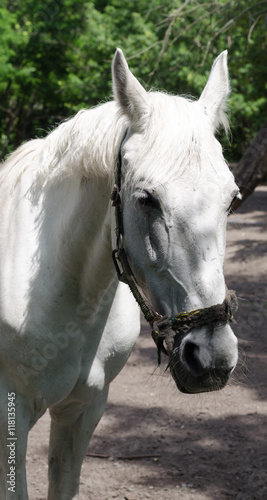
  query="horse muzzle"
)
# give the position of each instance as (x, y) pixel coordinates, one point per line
(201, 346)
(203, 360)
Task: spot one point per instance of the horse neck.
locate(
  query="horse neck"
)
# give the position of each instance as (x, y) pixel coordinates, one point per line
(96, 237)
(82, 233)
(67, 178)
(78, 167)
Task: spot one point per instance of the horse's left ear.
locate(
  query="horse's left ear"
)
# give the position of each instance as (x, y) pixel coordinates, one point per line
(216, 91)
(128, 92)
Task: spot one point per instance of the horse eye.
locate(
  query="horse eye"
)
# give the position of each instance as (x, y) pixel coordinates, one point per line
(147, 199)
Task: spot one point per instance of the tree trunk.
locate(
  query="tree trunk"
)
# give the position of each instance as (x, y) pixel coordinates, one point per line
(252, 168)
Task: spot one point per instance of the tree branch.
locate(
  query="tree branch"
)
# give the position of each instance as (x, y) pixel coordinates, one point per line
(252, 168)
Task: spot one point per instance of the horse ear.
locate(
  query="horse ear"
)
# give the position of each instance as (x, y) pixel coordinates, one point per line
(216, 91)
(128, 92)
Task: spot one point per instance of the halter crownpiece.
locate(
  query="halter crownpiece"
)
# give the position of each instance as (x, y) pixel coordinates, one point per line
(163, 328)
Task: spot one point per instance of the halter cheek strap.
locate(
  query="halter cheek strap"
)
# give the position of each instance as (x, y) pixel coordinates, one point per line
(121, 263)
(163, 328)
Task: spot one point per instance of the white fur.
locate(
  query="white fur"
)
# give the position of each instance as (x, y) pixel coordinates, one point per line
(67, 325)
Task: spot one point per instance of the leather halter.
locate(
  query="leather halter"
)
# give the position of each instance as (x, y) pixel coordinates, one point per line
(162, 327)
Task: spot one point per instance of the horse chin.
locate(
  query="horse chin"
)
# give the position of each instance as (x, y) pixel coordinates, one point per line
(202, 360)
(213, 380)
(188, 382)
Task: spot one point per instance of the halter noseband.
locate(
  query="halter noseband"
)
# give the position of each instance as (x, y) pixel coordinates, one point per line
(163, 327)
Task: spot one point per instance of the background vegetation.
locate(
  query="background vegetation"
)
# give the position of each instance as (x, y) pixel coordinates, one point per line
(55, 58)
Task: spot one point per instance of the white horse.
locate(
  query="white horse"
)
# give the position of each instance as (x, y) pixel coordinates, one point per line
(68, 324)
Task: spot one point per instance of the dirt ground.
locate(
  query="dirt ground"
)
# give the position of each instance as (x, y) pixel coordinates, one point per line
(159, 444)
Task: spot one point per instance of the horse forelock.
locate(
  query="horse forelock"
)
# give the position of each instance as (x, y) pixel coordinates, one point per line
(177, 141)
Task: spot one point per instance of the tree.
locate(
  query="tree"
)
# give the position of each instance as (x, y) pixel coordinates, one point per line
(252, 168)
(193, 33)
(55, 58)
(39, 42)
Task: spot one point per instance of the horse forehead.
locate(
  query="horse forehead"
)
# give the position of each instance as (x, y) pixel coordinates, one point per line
(186, 203)
(171, 155)
(198, 186)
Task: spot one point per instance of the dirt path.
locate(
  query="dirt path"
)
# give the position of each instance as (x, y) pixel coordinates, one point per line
(202, 447)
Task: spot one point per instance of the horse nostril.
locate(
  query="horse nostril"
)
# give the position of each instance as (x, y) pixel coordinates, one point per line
(190, 356)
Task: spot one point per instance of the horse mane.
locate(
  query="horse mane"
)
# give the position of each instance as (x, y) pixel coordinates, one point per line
(87, 145)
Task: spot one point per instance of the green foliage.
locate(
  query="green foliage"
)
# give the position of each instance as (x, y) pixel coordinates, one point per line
(40, 38)
(55, 57)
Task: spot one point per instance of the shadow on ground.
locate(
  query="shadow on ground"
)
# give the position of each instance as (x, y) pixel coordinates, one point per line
(232, 450)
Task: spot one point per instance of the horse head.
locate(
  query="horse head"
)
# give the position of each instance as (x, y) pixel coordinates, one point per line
(177, 191)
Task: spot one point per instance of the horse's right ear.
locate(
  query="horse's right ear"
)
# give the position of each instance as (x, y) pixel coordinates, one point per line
(128, 92)
(216, 91)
